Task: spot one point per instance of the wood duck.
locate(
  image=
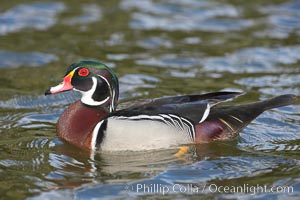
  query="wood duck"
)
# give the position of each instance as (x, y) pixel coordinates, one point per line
(94, 122)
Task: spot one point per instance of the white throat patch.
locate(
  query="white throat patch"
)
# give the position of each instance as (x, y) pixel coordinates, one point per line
(87, 95)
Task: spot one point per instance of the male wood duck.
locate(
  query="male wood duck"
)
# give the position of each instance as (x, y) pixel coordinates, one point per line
(94, 122)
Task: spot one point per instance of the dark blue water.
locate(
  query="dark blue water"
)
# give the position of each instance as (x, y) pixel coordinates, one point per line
(157, 48)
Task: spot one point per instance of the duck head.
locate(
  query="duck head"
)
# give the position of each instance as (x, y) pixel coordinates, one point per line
(97, 83)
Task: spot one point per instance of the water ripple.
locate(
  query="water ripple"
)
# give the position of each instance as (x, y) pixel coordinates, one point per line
(283, 19)
(91, 13)
(271, 81)
(118, 56)
(191, 8)
(155, 42)
(131, 82)
(30, 102)
(148, 22)
(200, 174)
(177, 15)
(28, 59)
(271, 84)
(269, 132)
(37, 120)
(170, 60)
(254, 59)
(38, 16)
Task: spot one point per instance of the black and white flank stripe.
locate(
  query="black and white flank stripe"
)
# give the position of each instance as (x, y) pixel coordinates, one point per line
(179, 123)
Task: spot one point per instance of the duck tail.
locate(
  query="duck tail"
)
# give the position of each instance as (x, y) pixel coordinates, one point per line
(282, 100)
(227, 121)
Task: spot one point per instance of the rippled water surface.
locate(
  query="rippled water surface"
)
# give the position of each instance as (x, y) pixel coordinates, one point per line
(157, 48)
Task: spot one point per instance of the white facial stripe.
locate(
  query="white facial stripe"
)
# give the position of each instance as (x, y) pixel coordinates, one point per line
(112, 93)
(75, 69)
(87, 95)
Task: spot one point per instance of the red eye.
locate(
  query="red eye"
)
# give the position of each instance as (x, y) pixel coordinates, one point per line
(83, 72)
